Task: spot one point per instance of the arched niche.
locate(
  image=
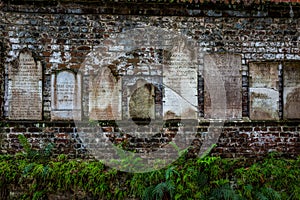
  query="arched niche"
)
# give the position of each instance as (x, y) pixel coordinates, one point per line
(142, 98)
(66, 95)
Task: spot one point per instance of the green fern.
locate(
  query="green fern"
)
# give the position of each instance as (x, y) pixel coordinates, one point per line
(170, 173)
(148, 193)
(201, 179)
(47, 151)
(32, 154)
(39, 195)
(163, 190)
(267, 194)
(23, 141)
(224, 192)
(28, 168)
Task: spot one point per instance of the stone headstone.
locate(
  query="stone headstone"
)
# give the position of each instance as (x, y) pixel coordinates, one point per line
(25, 88)
(264, 90)
(2, 68)
(66, 96)
(142, 103)
(291, 90)
(222, 86)
(180, 80)
(141, 97)
(104, 96)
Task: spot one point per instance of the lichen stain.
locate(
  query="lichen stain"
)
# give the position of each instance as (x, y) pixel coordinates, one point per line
(188, 113)
(259, 107)
(261, 114)
(142, 104)
(170, 115)
(103, 96)
(292, 105)
(106, 113)
(259, 95)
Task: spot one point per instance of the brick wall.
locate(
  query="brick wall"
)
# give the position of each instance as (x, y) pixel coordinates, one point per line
(62, 35)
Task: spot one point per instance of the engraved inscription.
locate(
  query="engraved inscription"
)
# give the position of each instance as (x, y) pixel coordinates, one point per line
(104, 97)
(66, 96)
(222, 79)
(65, 89)
(25, 88)
(291, 90)
(264, 94)
(180, 80)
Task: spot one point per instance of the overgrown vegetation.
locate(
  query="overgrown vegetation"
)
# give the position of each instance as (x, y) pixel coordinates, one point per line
(205, 178)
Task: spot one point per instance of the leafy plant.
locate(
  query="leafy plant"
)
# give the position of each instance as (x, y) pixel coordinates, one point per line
(272, 178)
(224, 192)
(267, 193)
(33, 154)
(163, 190)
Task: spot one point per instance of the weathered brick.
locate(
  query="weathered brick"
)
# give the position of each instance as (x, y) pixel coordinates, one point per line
(262, 35)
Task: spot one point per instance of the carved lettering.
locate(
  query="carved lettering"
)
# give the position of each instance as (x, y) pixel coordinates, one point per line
(104, 96)
(25, 89)
(264, 94)
(66, 96)
(180, 81)
(291, 90)
(223, 85)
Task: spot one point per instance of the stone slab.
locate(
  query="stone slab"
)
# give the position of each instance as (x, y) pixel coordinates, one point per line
(66, 96)
(180, 80)
(141, 97)
(291, 90)
(222, 86)
(104, 96)
(142, 102)
(25, 88)
(264, 90)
